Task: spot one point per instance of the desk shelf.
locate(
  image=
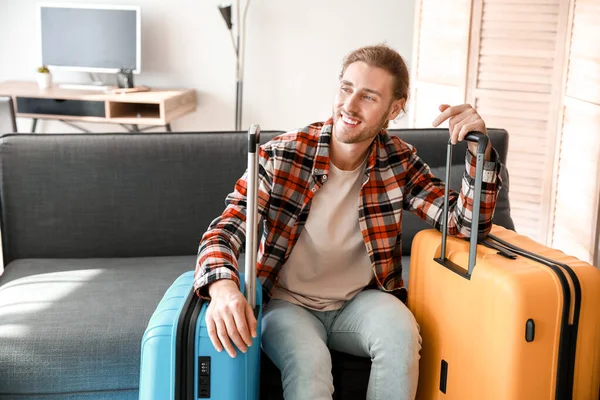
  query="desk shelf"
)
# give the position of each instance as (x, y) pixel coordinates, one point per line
(133, 110)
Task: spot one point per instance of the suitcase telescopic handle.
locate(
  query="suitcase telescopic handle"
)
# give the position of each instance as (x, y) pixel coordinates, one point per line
(482, 142)
(252, 214)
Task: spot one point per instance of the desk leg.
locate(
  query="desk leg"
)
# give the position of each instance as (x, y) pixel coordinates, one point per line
(168, 126)
(33, 125)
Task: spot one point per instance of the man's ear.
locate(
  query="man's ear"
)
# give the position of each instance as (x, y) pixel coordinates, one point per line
(397, 106)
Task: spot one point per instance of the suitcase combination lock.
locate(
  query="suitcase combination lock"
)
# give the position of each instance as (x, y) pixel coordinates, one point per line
(203, 377)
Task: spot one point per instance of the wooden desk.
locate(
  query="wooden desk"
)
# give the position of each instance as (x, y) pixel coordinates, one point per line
(155, 107)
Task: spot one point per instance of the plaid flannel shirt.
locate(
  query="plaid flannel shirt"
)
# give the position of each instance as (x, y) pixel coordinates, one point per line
(292, 168)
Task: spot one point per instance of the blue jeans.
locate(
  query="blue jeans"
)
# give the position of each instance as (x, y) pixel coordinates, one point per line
(373, 324)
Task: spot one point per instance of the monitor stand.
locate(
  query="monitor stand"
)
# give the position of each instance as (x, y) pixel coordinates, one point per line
(96, 85)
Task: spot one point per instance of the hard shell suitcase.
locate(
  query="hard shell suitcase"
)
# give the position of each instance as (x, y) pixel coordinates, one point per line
(178, 360)
(507, 318)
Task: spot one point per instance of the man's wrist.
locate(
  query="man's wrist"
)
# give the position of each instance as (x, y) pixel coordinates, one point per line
(488, 152)
(222, 284)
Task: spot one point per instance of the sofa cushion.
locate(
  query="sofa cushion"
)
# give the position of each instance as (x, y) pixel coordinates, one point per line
(76, 325)
(114, 195)
(405, 269)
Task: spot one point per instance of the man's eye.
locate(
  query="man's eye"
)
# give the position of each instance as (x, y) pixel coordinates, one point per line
(369, 98)
(346, 89)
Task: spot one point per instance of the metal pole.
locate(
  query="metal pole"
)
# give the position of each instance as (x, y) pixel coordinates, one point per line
(446, 193)
(238, 105)
(252, 215)
(238, 109)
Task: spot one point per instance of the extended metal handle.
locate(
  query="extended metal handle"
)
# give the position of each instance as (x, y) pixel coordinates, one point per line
(252, 214)
(482, 142)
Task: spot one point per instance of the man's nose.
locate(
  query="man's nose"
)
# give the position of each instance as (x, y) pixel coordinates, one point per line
(351, 103)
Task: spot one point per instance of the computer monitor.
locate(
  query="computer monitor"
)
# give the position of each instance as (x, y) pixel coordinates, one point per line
(90, 38)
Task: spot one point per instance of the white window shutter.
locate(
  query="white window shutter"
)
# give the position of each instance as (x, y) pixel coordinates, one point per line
(515, 73)
(440, 53)
(577, 190)
(531, 67)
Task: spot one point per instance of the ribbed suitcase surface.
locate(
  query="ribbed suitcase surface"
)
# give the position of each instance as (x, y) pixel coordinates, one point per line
(158, 347)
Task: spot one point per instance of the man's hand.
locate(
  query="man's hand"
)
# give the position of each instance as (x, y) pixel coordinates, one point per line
(229, 317)
(463, 119)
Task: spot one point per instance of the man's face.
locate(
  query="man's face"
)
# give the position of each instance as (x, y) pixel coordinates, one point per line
(363, 103)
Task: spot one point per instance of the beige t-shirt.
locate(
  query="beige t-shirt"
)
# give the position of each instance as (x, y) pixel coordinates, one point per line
(329, 264)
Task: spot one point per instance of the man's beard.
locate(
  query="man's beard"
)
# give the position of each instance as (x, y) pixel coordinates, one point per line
(369, 133)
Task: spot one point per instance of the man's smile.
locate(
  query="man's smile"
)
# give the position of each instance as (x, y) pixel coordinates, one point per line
(349, 120)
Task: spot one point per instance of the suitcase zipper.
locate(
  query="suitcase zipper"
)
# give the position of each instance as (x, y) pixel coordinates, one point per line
(191, 351)
(185, 346)
(568, 340)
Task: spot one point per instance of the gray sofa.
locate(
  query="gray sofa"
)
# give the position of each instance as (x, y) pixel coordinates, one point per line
(95, 227)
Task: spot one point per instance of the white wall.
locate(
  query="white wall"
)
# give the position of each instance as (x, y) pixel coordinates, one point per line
(293, 57)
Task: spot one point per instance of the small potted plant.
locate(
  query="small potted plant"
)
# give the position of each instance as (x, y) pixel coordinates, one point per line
(44, 77)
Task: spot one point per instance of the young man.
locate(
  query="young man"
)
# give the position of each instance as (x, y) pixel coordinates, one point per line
(331, 197)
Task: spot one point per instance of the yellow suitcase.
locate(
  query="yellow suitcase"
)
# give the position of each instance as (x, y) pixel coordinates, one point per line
(517, 321)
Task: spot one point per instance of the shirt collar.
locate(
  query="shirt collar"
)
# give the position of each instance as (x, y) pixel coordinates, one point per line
(321, 164)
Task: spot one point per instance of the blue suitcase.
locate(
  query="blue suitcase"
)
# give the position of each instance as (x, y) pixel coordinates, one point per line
(178, 360)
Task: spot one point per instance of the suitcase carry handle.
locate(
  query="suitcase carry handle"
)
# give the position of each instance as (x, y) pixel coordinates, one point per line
(482, 142)
(252, 215)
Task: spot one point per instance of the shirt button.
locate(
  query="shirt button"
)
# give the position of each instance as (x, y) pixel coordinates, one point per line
(324, 178)
(314, 189)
